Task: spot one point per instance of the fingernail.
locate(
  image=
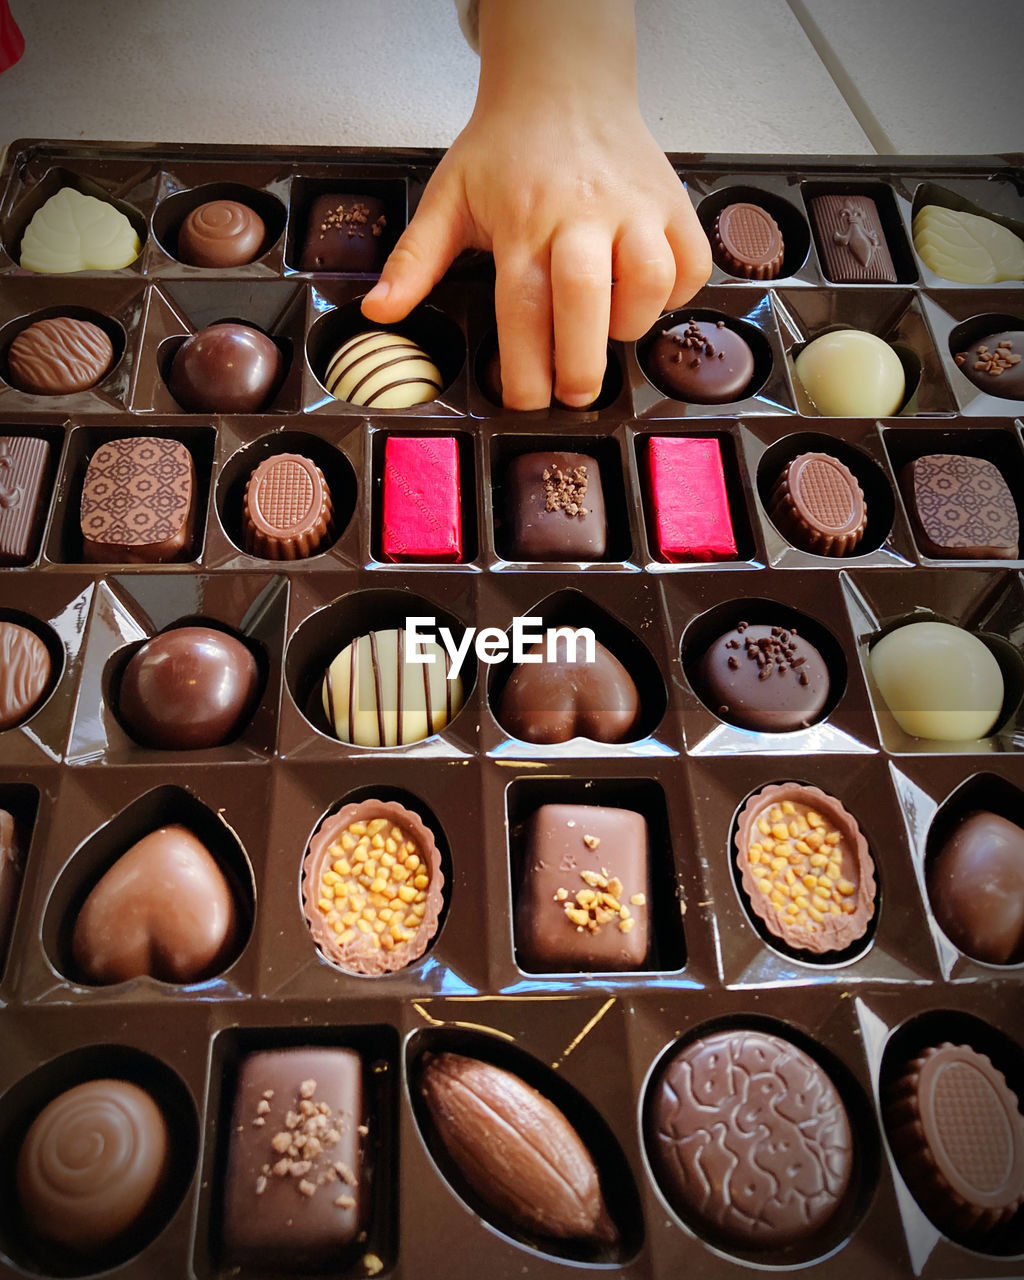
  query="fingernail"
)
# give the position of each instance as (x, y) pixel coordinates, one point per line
(379, 292)
(583, 401)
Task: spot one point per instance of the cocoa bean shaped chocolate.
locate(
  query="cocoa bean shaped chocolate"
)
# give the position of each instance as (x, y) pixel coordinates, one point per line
(515, 1149)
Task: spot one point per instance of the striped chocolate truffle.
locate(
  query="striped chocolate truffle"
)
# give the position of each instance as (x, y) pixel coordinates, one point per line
(380, 370)
(58, 356)
(373, 696)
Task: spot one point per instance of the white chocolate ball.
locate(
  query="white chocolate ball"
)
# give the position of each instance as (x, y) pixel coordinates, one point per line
(379, 369)
(852, 374)
(939, 681)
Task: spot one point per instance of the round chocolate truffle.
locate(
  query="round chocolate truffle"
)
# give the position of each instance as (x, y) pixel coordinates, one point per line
(25, 671)
(59, 356)
(163, 909)
(746, 241)
(976, 888)
(343, 866)
(287, 512)
(92, 1164)
(823, 899)
(188, 688)
(749, 1137)
(222, 233)
(225, 368)
(374, 695)
(957, 1132)
(382, 370)
(819, 506)
(994, 364)
(702, 362)
(764, 677)
(851, 374)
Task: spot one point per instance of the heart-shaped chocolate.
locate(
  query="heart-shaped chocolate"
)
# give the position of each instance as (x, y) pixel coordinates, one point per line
(164, 908)
(569, 697)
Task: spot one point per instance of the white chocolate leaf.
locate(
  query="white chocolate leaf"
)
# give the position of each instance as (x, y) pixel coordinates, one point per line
(967, 247)
(73, 232)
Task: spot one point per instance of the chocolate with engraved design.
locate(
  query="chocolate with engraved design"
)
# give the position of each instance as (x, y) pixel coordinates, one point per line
(59, 356)
(818, 505)
(956, 1129)
(138, 502)
(25, 670)
(24, 464)
(960, 507)
(287, 513)
(749, 1136)
(851, 240)
(746, 241)
(10, 878)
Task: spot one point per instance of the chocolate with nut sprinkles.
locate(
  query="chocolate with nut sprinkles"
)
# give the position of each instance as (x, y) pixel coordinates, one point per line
(701, 362)
(294, 1191)
(994, 364)
(765, 678)
(554, 507)
(345, 234)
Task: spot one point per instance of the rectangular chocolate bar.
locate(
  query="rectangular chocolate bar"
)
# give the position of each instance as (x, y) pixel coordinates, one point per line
(422, 507)
(689, 499)
(294, 1185)
(851, 240)
(24, 462)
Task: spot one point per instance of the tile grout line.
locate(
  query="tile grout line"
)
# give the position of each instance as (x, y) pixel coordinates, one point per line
(855, 100)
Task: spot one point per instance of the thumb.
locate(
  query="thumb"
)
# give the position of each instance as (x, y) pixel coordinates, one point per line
(424, 252)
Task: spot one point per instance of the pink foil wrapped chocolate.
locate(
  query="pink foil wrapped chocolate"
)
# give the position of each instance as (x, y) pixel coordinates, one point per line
(689, 499)
(422, 511)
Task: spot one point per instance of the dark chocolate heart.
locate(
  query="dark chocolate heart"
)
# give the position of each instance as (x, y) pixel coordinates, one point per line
(569, 697)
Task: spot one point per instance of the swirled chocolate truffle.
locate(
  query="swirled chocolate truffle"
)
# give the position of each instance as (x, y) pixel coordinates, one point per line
(372, 887)
(221, 233)
(805, 868)
(92, 1164)
(956, 1129)
(287, 513)
(701, 362)
(749, 1137)
(59, 356)
(764, 677)
(25, 670)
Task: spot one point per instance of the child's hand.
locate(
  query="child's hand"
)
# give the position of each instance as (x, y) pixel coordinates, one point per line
(556, 174)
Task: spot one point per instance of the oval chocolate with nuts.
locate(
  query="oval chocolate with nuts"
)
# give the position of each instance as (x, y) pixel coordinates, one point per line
(805, 867)
(515, 1148)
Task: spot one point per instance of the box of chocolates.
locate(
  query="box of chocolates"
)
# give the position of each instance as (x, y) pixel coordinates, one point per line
(436, 839)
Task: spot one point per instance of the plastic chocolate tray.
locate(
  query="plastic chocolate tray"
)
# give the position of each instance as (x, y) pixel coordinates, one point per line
(81, 789)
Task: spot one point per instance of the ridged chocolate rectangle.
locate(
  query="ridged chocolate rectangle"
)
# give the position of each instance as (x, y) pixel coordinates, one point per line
(24, 461)
(851, 240)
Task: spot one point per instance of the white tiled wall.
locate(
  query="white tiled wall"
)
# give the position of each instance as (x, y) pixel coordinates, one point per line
(775, 76)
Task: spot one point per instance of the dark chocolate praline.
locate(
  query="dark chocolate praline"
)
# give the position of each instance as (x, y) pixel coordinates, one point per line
(764, 677)
(995, 364)
(701, 362)
(225, 368)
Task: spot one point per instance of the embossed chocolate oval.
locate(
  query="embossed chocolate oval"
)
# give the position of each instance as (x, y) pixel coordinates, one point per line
(164, 909)
(515, 1148)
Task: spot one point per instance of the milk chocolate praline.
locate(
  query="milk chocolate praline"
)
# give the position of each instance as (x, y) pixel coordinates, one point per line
(188, 688)
(287, 511)
(819, 505)
(25, 670)
(59, 356)
(797, 822)
(332, 877)
(221, 233)
(976, 888)
(225, 368)
(762, 1110)
(92, 1165)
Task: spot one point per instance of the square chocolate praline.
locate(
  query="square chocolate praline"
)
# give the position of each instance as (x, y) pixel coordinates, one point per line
(570, 914)
(554, 507)
(345, 233)
(294, 1192)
